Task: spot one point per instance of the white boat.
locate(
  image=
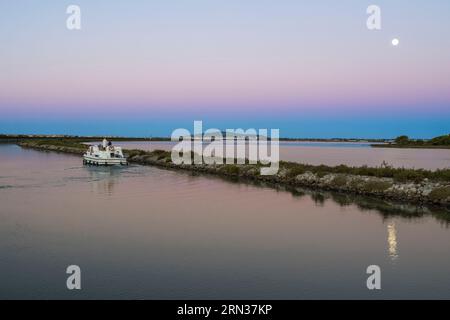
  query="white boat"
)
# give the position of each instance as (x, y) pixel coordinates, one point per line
(104, 154)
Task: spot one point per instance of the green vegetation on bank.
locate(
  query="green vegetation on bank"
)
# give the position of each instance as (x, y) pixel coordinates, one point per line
(72, 143)
(384, 171)
(440, 193)
(442, 142)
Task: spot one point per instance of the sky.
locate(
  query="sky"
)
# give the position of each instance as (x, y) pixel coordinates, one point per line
(145, 68)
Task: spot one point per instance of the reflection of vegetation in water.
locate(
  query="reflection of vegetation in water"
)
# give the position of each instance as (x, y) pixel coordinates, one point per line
(386, 208)
(319, 198)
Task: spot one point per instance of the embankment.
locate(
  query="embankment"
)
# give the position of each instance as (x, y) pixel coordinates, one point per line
(408, 185)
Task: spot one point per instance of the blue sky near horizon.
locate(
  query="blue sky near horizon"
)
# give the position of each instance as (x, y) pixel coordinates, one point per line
(314, 127)
(309, 68)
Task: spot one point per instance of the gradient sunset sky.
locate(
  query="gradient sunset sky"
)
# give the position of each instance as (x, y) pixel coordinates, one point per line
(309, 68)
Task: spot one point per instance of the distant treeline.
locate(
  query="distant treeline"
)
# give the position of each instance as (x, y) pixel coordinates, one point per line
(18, 137)
(406, 142)
(9, 137)
(334, 140)
(399, 142)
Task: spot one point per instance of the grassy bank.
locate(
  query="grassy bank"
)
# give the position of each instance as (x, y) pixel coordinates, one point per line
(412, 185)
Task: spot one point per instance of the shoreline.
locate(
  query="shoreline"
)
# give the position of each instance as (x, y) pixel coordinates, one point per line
(419, 186)
(373, 143)
(23, 137)
(411, 146)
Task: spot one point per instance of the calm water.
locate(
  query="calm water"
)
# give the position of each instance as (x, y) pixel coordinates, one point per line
(142, 232)
(353, 154)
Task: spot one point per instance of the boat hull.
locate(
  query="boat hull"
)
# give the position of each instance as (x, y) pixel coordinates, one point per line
(104, 162)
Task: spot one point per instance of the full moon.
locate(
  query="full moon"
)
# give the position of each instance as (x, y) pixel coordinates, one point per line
(395, 42)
